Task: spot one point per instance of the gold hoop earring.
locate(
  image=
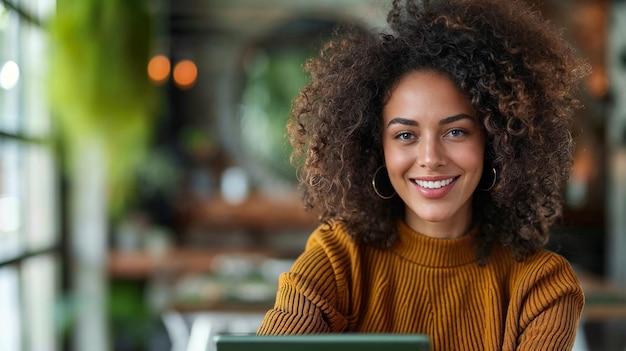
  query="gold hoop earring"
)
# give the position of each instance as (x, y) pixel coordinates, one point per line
(493, 183)
(384, 197)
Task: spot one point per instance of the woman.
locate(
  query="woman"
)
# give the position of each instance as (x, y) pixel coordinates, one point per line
(435, 156)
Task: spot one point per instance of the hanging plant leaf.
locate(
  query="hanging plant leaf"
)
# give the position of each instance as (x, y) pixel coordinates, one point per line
(98, 85)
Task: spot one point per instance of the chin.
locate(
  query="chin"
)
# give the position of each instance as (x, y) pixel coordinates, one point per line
(434, 217)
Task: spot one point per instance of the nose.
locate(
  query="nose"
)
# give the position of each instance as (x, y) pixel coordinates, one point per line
(430, 153)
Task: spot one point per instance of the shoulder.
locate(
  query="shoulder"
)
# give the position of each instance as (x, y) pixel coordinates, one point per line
(330, 248)
(332, 238)
(333, 244)
(328, 258)
(542, 261)
(546, 300)
(547, 265)
(544, 271)
(333, 230)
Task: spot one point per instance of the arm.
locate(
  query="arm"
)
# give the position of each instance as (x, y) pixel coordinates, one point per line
(306, 299)
(551, 306)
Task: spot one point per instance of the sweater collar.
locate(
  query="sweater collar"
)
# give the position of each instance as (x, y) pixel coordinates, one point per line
(434, 252)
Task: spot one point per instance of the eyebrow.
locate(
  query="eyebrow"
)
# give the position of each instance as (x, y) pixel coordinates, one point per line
(413, 123)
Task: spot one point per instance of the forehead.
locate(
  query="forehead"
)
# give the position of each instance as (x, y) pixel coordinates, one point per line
(426, 93)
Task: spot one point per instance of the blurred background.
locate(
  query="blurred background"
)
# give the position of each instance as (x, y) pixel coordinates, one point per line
(146, 198)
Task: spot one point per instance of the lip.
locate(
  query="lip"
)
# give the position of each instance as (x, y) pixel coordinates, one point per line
(434, 187)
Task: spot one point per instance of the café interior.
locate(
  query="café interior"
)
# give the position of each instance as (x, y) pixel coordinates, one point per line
(147, 201)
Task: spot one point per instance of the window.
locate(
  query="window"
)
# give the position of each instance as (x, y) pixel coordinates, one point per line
(29, 232)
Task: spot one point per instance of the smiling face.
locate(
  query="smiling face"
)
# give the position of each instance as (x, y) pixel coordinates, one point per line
(434, 151)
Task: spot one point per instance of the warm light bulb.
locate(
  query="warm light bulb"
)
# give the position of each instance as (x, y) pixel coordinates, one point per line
(159, 69)
(185, 74)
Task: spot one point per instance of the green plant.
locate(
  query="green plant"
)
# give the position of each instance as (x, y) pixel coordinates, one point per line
(99, 89)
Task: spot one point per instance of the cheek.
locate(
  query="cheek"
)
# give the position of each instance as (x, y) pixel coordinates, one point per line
(397, 162)
(471, 159)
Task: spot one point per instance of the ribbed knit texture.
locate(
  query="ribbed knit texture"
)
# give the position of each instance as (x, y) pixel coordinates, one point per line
(431, 286)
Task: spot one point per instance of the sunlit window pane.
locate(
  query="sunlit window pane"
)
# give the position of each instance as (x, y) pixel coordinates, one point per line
(40, 9)
(40, 226)
(35, 114)
(9, 46)
(11, 201)
(10, 321)
(40, 284)
(30, 285)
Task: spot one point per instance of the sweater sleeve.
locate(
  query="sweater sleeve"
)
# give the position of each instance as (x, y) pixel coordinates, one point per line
(551, 302)
(307, 297)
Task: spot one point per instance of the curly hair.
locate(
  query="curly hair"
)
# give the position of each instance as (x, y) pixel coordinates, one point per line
(519, 74)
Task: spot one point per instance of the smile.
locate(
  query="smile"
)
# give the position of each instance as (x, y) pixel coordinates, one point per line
(433, 184)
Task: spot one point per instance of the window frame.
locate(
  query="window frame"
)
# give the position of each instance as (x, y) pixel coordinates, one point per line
(26, 261)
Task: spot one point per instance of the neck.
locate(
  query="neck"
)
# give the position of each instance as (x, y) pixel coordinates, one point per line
(433, 252)
(452, 228)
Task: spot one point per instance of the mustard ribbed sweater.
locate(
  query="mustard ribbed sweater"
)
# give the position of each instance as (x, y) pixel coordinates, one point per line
(431, 286)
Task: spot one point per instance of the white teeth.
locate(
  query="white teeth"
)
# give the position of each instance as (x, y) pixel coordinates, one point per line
(433, 185)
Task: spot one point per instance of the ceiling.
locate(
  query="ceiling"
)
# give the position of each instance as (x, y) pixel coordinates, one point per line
(238, 18)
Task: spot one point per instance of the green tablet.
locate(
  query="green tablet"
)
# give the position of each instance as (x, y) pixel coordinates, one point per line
(325, 342)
